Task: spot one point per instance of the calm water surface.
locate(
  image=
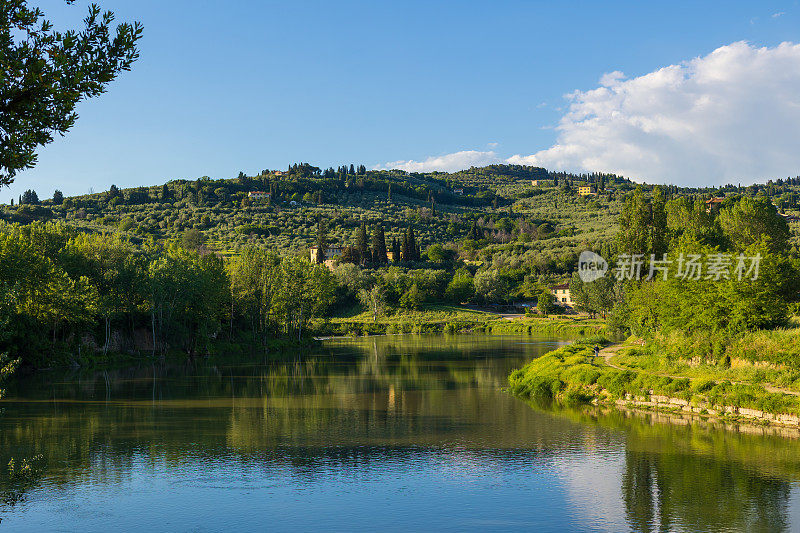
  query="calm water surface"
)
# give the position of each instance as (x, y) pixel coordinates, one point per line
(386, 433)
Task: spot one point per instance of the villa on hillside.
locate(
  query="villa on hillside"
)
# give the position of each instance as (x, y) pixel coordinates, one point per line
(562, 294)
(331, 254)
(258, 195)
(586, 190)
(713, 204)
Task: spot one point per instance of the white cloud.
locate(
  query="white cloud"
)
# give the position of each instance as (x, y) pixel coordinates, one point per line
(732, 115)
(780, 14)
(445, 163)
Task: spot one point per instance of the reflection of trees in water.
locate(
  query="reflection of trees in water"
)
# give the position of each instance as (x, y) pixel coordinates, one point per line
(365, 403)
(364, 398)
(664, 492)
(409, 363)
(696, 476)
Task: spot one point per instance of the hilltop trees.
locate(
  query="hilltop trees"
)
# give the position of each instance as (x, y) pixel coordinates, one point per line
(46, 73)
(29, 197)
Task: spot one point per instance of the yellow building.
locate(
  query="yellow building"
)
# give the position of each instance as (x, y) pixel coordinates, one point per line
(331, 253)
(562, 294)
(586, 190)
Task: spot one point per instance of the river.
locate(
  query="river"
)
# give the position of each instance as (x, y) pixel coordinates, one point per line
(402, 433)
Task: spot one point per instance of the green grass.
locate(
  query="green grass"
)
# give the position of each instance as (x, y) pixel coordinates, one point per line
(760, 357)
(443, 318)
(568, 374)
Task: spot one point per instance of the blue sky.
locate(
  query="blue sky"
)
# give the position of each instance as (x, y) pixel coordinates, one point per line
(247, 85)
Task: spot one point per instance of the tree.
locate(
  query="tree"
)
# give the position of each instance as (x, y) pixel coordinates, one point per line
(362, 244)
(29, 197)
(597, 296)
(379, 246)
(58, 197)
(750, 220)
(165, 194)
(412, 298)
(545, 303)
(410, 251)
(350, 255)
(475, 233)
(46, 73)
(657, 241)
(491, 286)
(436, 253)
(634, 224)
(193, 239)
(461, 288)
(322, 242)
(373, 299)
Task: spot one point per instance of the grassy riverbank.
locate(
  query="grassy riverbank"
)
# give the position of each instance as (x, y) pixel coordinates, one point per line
(439, 318)
(639, 374)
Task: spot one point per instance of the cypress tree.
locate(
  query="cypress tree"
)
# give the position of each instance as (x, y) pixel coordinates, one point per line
(404, 247)
(322, 241)
(362, 244)
(379, 245)
(395, 249)
(413, 251)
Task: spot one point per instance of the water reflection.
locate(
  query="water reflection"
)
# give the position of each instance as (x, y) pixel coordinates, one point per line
(366, 431)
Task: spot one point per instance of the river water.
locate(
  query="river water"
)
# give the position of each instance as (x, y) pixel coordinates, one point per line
(405, 433)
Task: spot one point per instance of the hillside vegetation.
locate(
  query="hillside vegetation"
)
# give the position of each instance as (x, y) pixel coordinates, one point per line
(197, 265)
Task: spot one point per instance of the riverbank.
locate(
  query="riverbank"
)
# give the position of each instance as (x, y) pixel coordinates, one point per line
(457, 319)
(627, 376)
